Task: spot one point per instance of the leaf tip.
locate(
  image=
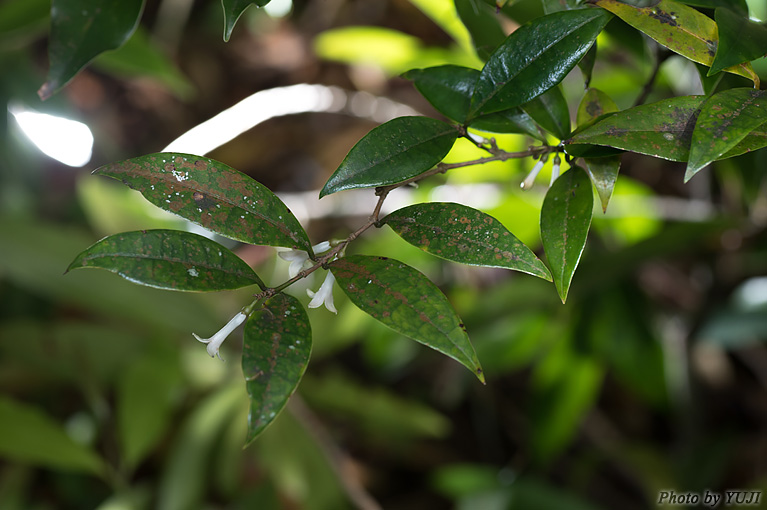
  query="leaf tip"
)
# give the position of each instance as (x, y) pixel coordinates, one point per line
(480, 375)
(46, 91)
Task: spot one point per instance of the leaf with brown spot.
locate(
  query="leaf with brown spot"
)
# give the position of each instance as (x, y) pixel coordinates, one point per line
(662, 129)
(213, 195)
(725, 120)
(277, 343)
(679, 28)
(463, 234)
(406, 301)
(565, 221)
(169, 259)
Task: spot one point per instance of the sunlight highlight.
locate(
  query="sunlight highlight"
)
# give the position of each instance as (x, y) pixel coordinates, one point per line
(65, 140)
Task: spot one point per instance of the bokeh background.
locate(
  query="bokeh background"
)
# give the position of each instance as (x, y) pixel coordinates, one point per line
(652, 377)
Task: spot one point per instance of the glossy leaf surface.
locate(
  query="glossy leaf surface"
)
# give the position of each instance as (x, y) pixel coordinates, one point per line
(82, 29)
(393, 152)
(679, 28)
(513, 120)
(725, 119)
(551, 112)
(565, 220)
(276, 350)
(406, 301)
(486, 32)
(535, 58)
(213, 195)
(31, 437)
(466, 235)
(233, 9)
(740, 40)
(603, 171)
(448, 88)
(662, 129)
(169, 259)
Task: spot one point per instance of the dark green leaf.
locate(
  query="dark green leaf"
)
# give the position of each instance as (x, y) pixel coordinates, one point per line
(594, 104)
(213, 195)
(740, 40)
(233, 9)
(586, 64)
(725, 119)
(448, 88)
(550, 6)
(462, 234)
(603, 173)
(80, 30)
(406, 301)
(169, 259)
(29, 436)
(679, 28)
(565, 220)
(662, 129)
(550, 111)
(482, 23)
(276, 350)
(535, 58)
(514, 120)
(737, 5)
(393, 152)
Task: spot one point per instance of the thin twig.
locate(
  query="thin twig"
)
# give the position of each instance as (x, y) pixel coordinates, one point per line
(661, 54)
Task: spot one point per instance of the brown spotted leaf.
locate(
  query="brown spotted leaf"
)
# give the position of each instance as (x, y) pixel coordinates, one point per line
(277, 343)
(169, 259)
(406, 301)
(214, 195)
(463, 234)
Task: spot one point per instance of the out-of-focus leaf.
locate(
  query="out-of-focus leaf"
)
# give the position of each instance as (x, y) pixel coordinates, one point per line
(20, 18)
(444, 15)
(213, 195)
(486, 32)
(662, 129)
(679, 28)
(740, 6)
(550, 6)
(586, 65)
(169, 259)
(28, 435)
(276, 350)
(145, 394)
(80, 30)
(186, 475)
(551, 112)
(725, 119)
(535, 58)
(393, 152)
(466, 235)
(740, 40)
(233, 9)
(565, 220)
(603, 171)
(139, 56)
(406, 301)
(448, 88)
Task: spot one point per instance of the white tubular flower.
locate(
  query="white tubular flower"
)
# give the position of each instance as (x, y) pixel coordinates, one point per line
(530, 179)
(298, 258)
(324, 296)
(214, 342)
(555, 170)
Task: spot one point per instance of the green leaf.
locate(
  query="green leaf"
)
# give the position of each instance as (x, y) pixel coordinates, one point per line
(737, 5)
(565, 220)
(725, 119)
(169, 259)
(756, 139)
(586, 64)
(550, 6)
(233, 9)
(213, 195)
(679, 28)
(276, 350)
(603, 173)
(550, 111)
(594, 104)
(514, 120)
(80, 30)
(29, 436)
(662, 129)
(448, 88)
(393, 152)
(140, 56)
(482, 23)
(462, 234)
(740, 40)
(406, 301)
(535, 58)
